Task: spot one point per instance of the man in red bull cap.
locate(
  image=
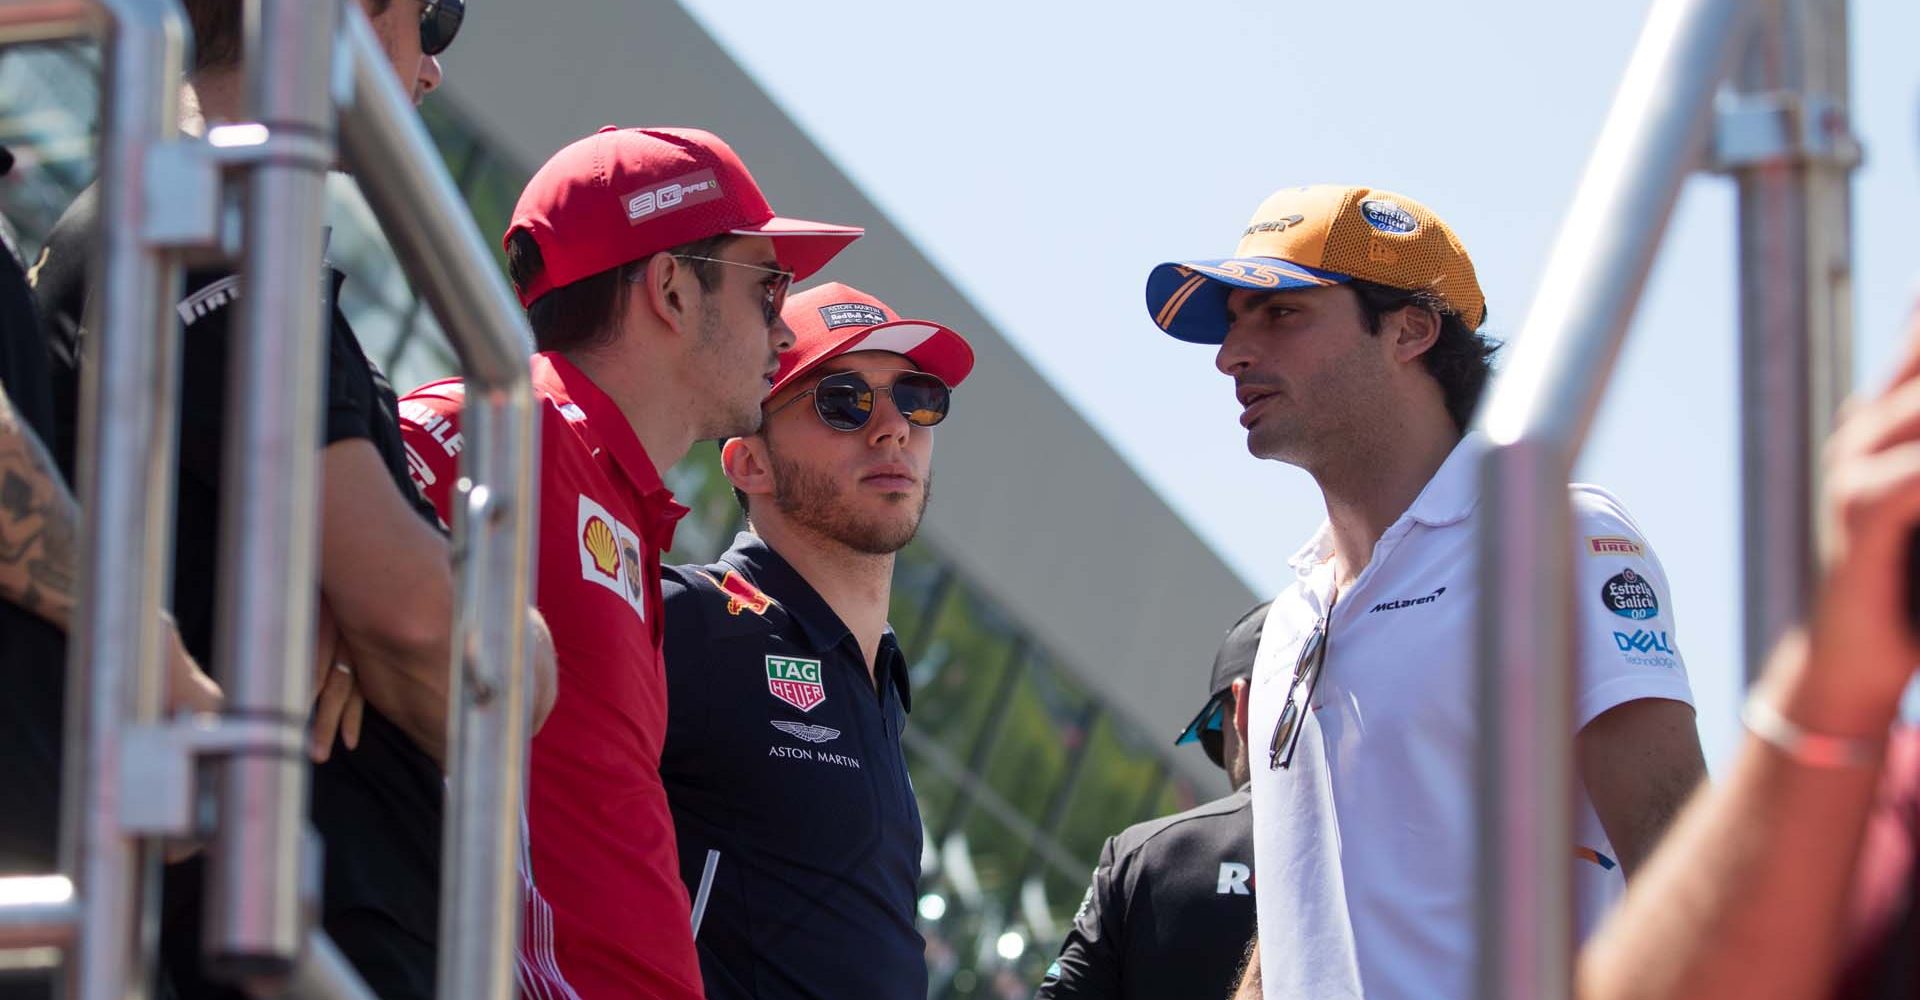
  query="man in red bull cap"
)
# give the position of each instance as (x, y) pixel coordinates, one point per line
(1348, 319)
(653, 272)
(787, 690)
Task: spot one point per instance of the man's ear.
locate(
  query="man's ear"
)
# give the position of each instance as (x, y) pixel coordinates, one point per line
(747, 465)
(1415, 330)
(1240, 708)
(665, 286)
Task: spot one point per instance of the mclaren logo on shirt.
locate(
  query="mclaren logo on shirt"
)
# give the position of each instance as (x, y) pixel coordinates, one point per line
(610, 555)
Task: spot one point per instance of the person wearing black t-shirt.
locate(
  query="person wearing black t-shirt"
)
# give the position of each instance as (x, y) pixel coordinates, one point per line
(385, 571)
(39, 525)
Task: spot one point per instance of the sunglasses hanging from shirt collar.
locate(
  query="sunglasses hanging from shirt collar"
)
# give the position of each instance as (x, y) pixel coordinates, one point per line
(844, 400)
(439, 22)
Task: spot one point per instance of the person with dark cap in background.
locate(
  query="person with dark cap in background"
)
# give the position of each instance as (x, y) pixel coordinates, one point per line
(787, 691)
(653, 272)
(1170, 909)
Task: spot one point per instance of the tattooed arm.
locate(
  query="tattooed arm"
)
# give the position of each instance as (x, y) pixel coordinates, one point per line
(37, 521)
(39, 557)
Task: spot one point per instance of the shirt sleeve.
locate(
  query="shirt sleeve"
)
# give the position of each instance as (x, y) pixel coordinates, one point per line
(430, 430)
(350, 393)
(1626, 637)
(1089, 962)
(683, 642)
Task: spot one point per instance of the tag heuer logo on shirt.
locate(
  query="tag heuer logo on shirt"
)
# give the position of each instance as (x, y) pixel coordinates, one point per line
(795, 681)
(610, 555)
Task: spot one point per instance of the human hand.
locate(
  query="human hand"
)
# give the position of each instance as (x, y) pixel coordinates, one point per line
(1863, 648)
(189, 689)
(338, 705)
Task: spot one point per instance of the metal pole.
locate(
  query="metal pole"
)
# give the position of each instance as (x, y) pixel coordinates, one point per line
(440, 248)
(1787, 143)
(39, 911)
(256, 919)
(127, 437)
(1537, 416)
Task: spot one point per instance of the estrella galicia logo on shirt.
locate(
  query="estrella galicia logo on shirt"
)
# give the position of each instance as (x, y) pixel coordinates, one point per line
(795, 681)
(1629, 595)
(1644, 648)
(610, 555)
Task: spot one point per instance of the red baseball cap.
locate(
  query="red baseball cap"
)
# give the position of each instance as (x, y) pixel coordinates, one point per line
(834, 319)
(621, 194)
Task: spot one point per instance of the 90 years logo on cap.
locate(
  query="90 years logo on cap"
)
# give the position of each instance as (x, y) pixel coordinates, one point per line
(1629, 595)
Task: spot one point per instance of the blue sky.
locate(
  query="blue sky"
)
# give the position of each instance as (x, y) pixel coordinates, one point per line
(1047, 155)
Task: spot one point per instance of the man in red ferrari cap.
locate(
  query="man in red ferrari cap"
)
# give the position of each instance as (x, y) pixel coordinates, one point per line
(653, 273)
(787, 690)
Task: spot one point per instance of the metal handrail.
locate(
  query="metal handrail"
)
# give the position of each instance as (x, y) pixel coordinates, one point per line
(127, 441)
(440, 248)
(1535, 420)
(256, 919)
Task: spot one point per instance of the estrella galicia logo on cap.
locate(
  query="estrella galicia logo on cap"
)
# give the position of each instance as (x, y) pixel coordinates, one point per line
(1388, 217)
(841, 314)
(1629, 595)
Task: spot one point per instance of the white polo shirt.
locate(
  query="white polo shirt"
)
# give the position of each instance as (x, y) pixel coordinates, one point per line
(1365, 844)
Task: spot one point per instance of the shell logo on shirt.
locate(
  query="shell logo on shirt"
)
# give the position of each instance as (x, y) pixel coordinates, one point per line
(599, 542)
(610, 555)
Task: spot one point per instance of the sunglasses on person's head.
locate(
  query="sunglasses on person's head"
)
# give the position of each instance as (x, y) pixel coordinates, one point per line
(439, 22)
(844, 400)
(776, 286)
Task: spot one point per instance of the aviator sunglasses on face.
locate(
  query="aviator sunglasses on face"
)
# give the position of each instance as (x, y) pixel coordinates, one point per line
(776, 286)
(439, 22)
(844, 401)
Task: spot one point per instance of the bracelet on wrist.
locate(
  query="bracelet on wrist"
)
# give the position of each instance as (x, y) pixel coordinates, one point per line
(1804, 745)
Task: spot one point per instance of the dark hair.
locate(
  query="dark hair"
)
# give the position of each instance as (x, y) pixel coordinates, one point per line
(582, 314)
(1461, 358)
(218, 30)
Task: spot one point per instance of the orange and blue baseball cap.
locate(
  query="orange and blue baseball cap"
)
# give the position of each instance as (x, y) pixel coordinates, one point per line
(1314, 237)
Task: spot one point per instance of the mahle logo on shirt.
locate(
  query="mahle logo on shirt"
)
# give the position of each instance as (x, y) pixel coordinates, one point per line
(795, 681)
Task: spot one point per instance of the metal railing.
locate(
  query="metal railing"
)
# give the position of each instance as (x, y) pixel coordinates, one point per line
(1789, 145)
(130, 774)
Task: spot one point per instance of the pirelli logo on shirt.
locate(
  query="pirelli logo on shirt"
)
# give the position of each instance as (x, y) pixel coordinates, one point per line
(610, 555)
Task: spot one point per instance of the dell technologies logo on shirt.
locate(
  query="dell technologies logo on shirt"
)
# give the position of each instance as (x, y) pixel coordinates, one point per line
(1412, 602)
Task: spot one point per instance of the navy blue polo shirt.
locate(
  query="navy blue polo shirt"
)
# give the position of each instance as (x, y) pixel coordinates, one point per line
(784, 755)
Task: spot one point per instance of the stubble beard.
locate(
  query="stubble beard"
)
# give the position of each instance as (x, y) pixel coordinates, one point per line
(818, 503)
(730, 417)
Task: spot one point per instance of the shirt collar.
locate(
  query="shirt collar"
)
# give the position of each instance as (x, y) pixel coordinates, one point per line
(580, 401)
(823, 629)
(1448, 498)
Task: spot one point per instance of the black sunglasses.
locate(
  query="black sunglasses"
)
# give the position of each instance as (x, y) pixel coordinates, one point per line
(844, 400)
(1306, 677)
(439, 22)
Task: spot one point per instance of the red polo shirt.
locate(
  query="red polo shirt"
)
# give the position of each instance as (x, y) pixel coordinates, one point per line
(609, 918)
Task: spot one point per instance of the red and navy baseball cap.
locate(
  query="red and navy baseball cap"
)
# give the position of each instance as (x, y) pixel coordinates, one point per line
(622, 194)
(1313, 237)
(834, 319)
(1233, 662)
